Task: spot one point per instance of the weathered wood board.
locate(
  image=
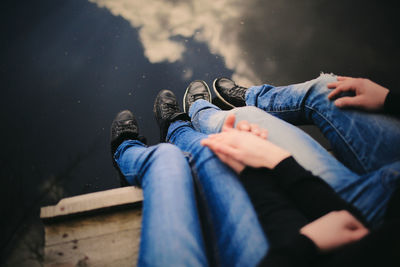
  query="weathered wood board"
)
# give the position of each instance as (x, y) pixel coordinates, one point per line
(98, 229)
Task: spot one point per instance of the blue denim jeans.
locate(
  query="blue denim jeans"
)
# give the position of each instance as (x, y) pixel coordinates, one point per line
(369, 192)
(171, 230)
(236, 231)
(361, 140)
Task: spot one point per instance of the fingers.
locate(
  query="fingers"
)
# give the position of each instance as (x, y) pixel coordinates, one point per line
(348, 101)
(219, 147)
(264, 134)
(342, 87)
(229, 122)
(356, 229)
(358, 233)
(333, 85)
(253, 128)
(343, 78)
(243, 126)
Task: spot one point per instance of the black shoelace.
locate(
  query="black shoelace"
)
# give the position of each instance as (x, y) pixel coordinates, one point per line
(237, 91)
(195, 97)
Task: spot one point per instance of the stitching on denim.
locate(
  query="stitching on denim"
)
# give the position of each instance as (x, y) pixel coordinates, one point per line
(285, 110)
(340, 135)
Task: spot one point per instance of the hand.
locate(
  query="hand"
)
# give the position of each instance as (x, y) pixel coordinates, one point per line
(245, 148)
(334, 229)
(244, 126)
(368, 95)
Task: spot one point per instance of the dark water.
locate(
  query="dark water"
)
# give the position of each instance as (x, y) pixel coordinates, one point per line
(67, 67)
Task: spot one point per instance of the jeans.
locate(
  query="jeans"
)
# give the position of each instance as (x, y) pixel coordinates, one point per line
(369, 192)
(238, 235)
(361, 140)
(171, 229)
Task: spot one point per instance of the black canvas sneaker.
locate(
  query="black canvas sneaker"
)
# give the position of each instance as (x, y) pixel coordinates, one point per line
(196, 90)
(229, 92)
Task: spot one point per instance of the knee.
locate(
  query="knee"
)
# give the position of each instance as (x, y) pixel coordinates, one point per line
(167, 149)
(249, 113)
(321, 82)
(168, 153)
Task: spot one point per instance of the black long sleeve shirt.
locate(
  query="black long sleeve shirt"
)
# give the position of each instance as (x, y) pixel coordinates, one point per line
(289, 197)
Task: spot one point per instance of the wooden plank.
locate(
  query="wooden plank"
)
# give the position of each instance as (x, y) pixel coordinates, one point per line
(95, 225)
(115, 249)
(93, 201)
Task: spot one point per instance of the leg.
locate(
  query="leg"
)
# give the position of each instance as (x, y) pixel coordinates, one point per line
(239, 236)
(208, 118)
(171, 233)
(362, 141)
(369, 192)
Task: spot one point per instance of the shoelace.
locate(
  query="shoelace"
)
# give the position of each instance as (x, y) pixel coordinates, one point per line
(166, 107)
(238, 91)
(125, 125)
(195, 97)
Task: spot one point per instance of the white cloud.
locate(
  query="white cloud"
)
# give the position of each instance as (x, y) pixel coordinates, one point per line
(214, 22)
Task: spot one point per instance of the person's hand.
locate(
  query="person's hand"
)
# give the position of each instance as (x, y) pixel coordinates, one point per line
(245, 148)
(244, 126)
(334, 229)
(368, 95)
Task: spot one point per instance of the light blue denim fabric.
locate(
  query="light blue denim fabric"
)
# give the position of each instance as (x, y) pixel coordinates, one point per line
(368, 192)
(171, 231)
(237, 233)
(361, 140)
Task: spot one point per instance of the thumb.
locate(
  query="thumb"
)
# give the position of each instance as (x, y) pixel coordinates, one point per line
(348, 101)
(229, 122)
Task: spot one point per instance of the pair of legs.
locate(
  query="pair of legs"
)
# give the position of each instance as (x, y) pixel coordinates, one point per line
(367, 144)
(173, 232)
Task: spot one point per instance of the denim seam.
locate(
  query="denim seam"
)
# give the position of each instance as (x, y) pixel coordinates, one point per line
(340, 135)
(285, 110)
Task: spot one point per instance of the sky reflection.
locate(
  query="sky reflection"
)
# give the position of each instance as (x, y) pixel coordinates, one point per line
(215, 23)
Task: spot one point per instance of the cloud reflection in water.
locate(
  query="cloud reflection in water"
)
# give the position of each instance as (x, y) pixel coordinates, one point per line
(215, 23)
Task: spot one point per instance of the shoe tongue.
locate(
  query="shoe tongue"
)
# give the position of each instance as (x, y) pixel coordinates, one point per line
(126, 122)
(197, 88)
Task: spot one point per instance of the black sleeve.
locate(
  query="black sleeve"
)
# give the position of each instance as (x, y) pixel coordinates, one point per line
(313, 196)
(392, 104)
(302, 252)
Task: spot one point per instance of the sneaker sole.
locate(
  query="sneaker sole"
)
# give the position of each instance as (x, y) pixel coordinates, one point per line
(184, 96)
(219, 96)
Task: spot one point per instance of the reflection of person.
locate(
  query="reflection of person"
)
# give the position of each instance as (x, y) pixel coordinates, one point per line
(182, 226)
(287, 197)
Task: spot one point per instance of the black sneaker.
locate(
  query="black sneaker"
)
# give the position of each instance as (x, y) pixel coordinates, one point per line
(166, 110)
(124, 127)
(229, 92)
(196, 90)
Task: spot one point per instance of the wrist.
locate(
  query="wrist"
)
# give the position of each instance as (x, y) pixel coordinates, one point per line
(273, 159)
